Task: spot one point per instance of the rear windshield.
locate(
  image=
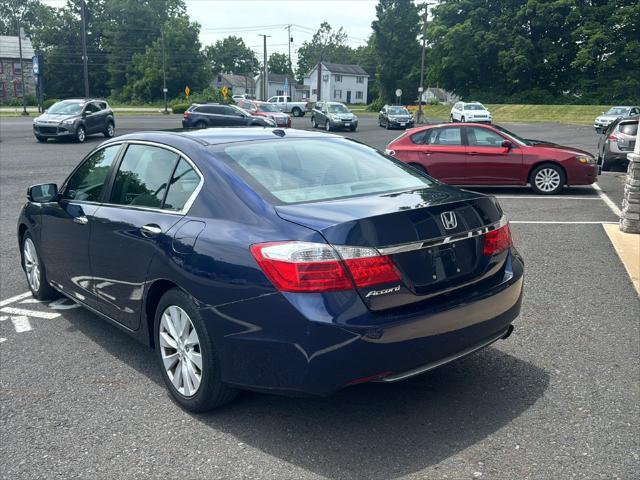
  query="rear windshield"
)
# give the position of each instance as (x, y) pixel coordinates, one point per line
(629, 128)
(310, 170)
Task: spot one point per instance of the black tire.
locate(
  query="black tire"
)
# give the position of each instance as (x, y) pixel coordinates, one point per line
(41, 139)
(327, 126)
(200, 125)
(353, 129)
(553, 171)
(462, 119)
(81, 134)
(296, 112)
(212, 392)
(314, 124)
(110, 130)
(387, 125)
(606, 166)
(451, 119)
(44, 290)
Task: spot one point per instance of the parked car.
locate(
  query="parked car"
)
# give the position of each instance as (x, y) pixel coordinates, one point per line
(219, 115)
(284, 104)
(395, 116)
(293, 262)
(266, 109)
(603, 121)
(477, 154)
(470, 112)
(241, 96)
(333, 116)
(74, 119)
(619, 139)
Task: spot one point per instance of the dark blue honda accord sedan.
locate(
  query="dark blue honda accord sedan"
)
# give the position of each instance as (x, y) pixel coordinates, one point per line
(291, 262)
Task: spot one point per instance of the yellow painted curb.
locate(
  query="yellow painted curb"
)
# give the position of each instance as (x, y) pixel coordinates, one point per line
(627, 246)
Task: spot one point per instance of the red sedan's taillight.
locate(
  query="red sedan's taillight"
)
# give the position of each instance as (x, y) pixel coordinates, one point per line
(497, 241)
(317, 267)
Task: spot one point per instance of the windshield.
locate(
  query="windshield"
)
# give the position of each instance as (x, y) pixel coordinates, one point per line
(398, 111)
(517, 138)
(266, 107)
(474, 106)
(66, 108)
(337, 108)
(617, 111)
(308, 170)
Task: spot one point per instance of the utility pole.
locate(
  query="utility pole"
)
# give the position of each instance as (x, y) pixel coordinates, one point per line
(265, 76)
(84, 49)
(24, 87)
(289, 40)
(424, 40)
(164, 72)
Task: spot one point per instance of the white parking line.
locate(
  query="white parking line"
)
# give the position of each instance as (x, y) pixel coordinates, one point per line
(545, 197)
(21, 324)
(605, 198)
(15, 299)
(29, 313)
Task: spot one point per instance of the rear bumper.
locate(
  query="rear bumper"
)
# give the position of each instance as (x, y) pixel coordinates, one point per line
(320, 357)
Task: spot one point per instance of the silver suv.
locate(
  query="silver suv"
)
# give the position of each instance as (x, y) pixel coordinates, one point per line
(618, 140)
(607, 118)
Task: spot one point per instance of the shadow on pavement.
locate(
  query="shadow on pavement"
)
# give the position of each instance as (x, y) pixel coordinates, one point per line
(374, 431)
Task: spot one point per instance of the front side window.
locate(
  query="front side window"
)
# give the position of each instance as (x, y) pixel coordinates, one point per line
(483, 137)
(307, 170)
(444, 136)
(87, 182)
(143, 176)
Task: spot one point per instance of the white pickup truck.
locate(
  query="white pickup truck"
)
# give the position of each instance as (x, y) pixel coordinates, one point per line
(284, 104)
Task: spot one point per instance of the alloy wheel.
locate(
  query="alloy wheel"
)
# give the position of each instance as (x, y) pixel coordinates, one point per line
(31, 264)
(81, 134)
(180, 350)
(327, 126)
(111, 131)
(547, 180)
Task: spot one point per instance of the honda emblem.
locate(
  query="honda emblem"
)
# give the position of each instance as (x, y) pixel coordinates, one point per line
(449, 220)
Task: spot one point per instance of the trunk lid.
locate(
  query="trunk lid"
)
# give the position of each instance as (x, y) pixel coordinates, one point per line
(425, 232)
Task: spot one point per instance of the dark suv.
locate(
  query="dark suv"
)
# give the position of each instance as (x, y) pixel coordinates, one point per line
(75, 118)
(218, 115)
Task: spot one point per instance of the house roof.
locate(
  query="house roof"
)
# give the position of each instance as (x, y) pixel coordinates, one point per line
(9, 48)
(345, 69)
(238, 80)
(280, 77)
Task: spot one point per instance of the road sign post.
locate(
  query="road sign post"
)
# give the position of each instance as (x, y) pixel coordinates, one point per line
(398, 96)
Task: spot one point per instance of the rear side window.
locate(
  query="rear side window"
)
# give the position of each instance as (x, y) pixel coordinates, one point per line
(87, 182)
(444, 136)
(629, 128)
(286, 171)
(143, 176)
(184, 182)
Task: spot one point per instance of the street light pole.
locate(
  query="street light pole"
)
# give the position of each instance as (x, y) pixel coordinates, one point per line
(164, 73)
(424, 40)
(24, 90)
(85, 60)
(265, 74)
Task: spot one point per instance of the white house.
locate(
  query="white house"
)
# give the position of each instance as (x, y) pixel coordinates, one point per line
(276, 86)
(339, 83)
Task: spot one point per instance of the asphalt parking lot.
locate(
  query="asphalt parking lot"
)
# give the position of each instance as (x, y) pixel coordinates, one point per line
(559, 399)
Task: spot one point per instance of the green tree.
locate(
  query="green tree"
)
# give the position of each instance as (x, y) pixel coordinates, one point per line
(366, 56)
(279, 63)
(326, 45)
(396, 31)
(185, 63)
(231, 55)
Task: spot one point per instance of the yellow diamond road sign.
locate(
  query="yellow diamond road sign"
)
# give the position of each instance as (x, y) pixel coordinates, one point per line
(225, 91)
(187, 90)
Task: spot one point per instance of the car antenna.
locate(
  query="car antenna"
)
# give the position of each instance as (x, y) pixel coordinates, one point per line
(279, 132)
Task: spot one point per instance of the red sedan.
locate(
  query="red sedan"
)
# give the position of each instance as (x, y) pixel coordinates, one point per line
(474, 154)
(266, 109)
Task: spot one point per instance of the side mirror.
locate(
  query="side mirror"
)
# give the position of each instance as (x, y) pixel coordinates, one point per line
(507, 144)
(43, 193)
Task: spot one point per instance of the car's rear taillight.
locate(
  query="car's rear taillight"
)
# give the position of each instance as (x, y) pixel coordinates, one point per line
(186, 115)
(497, 241)
(317, 267)
(612, 138)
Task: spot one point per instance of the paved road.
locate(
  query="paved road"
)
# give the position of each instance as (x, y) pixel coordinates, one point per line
(559, 399)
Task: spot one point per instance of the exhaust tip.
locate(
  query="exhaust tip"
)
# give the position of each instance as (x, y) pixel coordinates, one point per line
(508, 333)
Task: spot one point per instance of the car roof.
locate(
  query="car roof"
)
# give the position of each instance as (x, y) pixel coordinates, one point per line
(217, 136)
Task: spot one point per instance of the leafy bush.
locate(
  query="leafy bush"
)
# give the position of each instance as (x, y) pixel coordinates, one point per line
(376, 105)
(50, 101)
(180, 107)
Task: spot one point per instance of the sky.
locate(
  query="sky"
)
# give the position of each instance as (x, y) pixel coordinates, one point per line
(249, 18)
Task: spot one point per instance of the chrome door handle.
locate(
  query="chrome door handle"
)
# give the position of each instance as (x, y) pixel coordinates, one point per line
(151, 230)
(82, 220)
